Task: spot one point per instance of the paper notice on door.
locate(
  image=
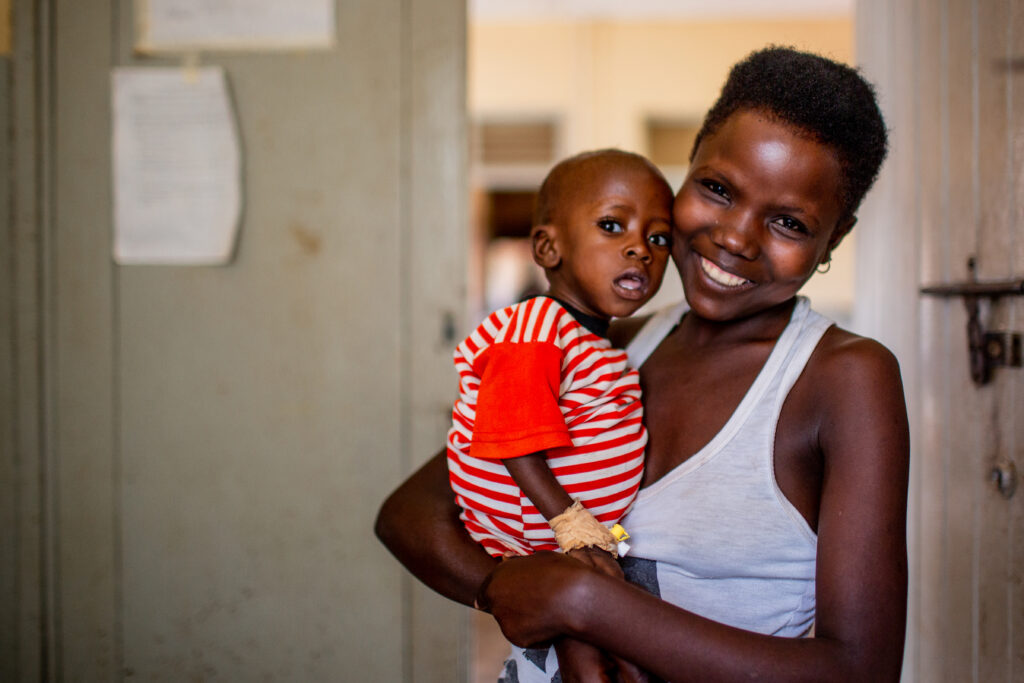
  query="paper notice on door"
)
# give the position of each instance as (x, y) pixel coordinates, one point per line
(177, 167)
(189, 25)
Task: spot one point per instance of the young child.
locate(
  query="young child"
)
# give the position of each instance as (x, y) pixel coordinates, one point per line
(547, 442)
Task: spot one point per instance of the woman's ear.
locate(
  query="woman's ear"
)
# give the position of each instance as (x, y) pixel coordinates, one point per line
(545, 246)
(841, 231)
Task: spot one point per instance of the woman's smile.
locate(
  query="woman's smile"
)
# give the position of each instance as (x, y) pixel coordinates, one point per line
(719, 275)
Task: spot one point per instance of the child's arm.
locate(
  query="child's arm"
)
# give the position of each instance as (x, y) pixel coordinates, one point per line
(532, 474)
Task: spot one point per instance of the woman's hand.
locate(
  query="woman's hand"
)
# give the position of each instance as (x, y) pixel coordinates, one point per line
(599, 560)
(580, 661)
(552, 584)
(533, 597)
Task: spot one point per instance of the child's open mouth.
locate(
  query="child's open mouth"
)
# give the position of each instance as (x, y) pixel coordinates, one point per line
(631, 285)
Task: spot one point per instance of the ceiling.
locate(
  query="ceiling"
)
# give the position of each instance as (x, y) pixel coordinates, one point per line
(499, 10)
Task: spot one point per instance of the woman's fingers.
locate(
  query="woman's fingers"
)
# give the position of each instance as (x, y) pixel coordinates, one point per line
(531, 597)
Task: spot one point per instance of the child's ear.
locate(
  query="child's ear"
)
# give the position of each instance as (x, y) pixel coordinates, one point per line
(545, 246)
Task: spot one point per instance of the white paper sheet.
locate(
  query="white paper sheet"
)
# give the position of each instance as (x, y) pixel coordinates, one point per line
(177, 167)
(181, 25)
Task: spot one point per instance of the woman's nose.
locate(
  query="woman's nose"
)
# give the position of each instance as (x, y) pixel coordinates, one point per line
(737, 234)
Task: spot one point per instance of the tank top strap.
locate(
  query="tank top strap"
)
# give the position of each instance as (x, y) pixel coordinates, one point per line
(657, 327)
(809, 332)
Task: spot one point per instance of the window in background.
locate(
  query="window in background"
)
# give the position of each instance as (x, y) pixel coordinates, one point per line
(508, 162)
(669, 141)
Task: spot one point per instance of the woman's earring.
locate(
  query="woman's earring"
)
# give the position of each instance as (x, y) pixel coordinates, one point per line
(827, 264)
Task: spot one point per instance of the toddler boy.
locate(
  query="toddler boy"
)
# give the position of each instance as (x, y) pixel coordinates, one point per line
(547, 441)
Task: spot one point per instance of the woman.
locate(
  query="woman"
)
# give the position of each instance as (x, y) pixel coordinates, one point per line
(774, 497)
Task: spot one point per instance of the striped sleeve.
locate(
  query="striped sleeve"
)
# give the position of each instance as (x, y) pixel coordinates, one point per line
(517, 410)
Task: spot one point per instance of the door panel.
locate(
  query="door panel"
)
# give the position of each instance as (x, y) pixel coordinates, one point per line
(995, 419)
(225, 435)
(957, 170)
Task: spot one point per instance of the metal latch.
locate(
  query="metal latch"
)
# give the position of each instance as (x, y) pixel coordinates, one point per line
(987, 349)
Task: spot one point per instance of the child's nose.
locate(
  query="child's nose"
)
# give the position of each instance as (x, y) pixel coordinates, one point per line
(638, 250)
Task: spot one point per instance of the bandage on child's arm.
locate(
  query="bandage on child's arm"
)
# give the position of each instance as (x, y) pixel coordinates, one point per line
(574, 526)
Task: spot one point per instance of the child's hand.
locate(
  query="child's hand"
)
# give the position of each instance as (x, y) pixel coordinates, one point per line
(598, 559)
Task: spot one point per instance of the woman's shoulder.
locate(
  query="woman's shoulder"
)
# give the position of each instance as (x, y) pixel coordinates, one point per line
(839, 346)
(845, 363)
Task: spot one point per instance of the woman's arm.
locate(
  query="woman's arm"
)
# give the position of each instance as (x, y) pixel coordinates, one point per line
(419, 524)
(861, 578)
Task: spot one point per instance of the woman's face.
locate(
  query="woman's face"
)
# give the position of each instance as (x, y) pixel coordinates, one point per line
(758, 211)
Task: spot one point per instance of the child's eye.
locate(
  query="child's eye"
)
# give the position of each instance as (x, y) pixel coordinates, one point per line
(790, 224)
(610, 225)
(715, 187)
(660, 240)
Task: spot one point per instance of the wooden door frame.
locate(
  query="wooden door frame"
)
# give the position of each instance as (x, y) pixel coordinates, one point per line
(28, 615)
(886, 304)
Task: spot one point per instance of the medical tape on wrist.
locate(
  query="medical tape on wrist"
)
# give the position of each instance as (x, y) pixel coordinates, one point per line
(577, 528)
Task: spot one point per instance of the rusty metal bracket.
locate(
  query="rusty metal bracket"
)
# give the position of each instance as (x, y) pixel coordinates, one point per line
(987, 349)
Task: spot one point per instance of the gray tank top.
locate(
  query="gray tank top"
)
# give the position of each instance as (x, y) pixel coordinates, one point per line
(715, 535)
(724, 541)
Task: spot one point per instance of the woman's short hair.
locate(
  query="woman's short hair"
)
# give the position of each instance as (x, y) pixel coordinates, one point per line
(829, 101)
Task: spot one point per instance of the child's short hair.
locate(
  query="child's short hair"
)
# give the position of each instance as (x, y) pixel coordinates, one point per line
(829, 101)
(551, 190)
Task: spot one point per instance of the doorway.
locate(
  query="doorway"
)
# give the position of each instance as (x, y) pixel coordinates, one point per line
(545, 83)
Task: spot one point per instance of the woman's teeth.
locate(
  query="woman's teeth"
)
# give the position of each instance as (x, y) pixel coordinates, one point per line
(720, 276)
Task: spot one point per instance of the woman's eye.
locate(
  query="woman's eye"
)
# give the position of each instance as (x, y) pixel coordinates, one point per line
(660, 240)
(715, 188)
(790, 224)
(609, 225)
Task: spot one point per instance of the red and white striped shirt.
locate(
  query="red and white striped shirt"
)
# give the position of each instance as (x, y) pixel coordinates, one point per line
(531, 379)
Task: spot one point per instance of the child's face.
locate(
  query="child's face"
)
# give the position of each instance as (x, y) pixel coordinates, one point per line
(612, 234)
(758, 211)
